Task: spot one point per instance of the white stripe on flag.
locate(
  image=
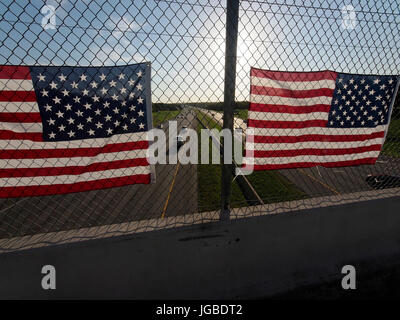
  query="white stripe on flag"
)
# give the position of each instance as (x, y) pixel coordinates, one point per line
(16, 85)
(297, 85)
(85, 143)
(69, 179)
(265, 99)
(275, 116)
(310, 158)
(315, 130)
(71, 161)
(21, 127)
(311, 144)
(19, 106)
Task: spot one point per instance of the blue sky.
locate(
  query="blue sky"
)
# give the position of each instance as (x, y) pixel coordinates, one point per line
(184, 39)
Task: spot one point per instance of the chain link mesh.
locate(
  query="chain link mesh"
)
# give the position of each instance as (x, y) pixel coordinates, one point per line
(310, 36)
(185, 43)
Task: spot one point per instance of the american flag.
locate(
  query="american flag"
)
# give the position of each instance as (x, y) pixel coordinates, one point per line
(305, 119)
(71, 129)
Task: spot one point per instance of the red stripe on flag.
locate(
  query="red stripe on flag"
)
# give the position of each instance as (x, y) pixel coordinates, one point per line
(15, 72)
(18, 96)
(25, 117)
(294, 76)
(72, 170)
(286, 124)
(287, 93)
(312, 164)
(312, 151)
(24, 191)
(71, 152)
(317, 137)
(11, 135)
(289, 109)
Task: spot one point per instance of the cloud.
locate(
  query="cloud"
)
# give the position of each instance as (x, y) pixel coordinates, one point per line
(105, 54)
(124, 24)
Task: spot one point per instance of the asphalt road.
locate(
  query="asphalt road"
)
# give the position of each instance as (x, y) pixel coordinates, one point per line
(173, 193)
(320, 181)
(183, 188)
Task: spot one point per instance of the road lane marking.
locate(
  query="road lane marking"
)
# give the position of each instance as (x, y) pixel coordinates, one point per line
(319, 181)
(170, 191)
(172, 183)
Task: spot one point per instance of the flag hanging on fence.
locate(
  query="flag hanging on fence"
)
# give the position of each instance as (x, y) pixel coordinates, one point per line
(305, 119)
(71, 129)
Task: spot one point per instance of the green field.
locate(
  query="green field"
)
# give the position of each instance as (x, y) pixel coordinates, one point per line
(209, 186)
(271, 186)
(209, 177)
(241, 114)
(208, 121)
(162, 116)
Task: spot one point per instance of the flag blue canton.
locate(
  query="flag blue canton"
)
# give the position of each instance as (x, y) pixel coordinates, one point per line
(91, 102)
(361, 101)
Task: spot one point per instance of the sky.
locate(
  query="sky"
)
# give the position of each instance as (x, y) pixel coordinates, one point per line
(185, 39)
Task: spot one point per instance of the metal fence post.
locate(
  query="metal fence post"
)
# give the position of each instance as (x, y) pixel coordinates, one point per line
(232, 20)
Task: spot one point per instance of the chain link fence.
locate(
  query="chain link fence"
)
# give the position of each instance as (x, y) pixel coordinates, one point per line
(185, 43)
(348, 37)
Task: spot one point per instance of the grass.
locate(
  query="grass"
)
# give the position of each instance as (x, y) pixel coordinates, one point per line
(209, 177)
(162, 116)
(272, 186)
(392, 144)
(208, 121)
(242, 114)
(238, 113)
